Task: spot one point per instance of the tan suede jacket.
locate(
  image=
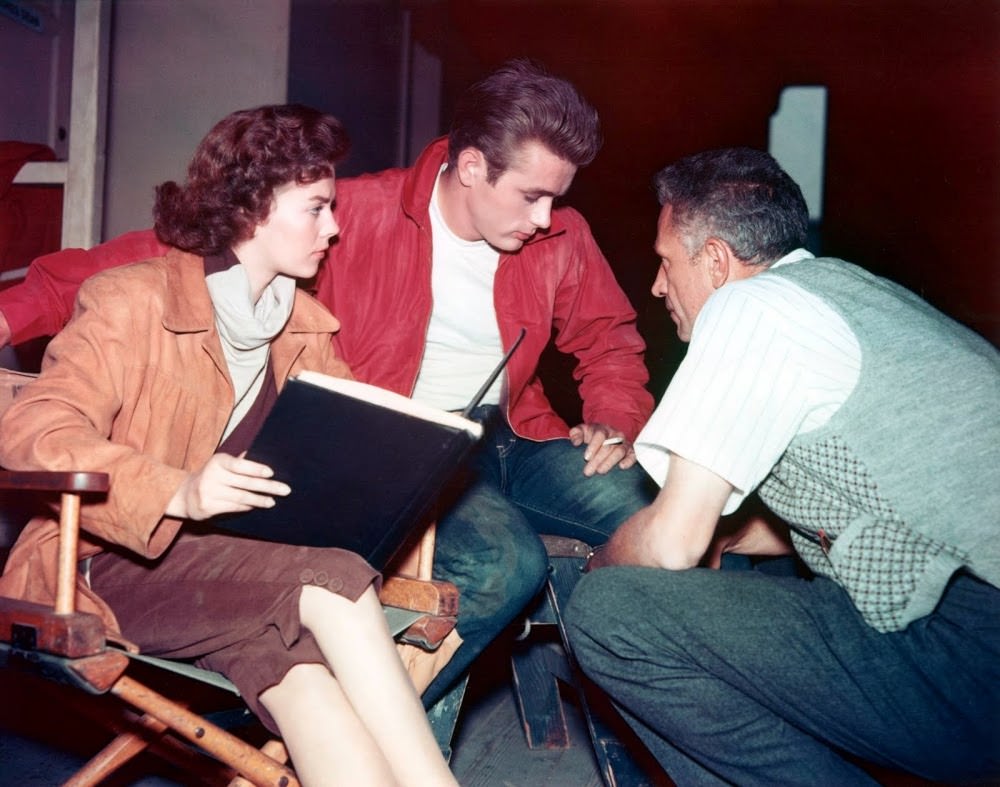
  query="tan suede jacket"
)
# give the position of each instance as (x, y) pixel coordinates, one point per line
(136, 386)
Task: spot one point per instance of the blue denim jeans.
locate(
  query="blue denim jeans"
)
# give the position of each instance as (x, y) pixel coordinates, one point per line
(487, 540)
(738, 677)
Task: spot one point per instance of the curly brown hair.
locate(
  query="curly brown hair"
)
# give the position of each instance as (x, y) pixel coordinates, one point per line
(236, 168)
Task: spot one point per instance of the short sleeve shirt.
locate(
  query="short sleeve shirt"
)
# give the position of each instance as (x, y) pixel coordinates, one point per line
(767, 360)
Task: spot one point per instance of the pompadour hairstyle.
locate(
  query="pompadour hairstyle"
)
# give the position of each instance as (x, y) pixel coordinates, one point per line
(521, 102)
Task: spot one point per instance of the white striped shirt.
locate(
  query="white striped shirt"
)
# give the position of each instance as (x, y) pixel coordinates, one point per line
(767, 361)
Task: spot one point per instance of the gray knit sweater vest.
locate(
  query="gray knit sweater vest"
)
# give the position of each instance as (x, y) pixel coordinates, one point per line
(902, 487)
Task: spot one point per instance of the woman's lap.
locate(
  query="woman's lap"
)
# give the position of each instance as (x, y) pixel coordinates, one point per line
(230, 604)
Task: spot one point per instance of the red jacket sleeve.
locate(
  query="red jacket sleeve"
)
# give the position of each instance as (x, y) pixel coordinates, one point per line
(43, 303)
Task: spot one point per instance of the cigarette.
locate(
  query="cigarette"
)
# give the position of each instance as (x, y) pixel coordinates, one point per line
(613, 441)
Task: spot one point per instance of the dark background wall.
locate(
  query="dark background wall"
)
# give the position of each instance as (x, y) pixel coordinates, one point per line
(345, 58)
(912, 188)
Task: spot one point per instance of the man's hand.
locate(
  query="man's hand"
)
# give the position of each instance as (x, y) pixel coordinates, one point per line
(755, 536)
(224, 485)
(605, 448)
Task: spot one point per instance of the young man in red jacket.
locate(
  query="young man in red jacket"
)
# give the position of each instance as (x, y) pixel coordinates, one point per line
(437, 269)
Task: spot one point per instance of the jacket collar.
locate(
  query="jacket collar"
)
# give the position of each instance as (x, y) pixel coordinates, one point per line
(188, 308)
(419, 186)
(419, 183)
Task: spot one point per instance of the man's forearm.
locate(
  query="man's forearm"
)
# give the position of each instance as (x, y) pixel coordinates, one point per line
(676, 529)
(644, 539)
(43, 303)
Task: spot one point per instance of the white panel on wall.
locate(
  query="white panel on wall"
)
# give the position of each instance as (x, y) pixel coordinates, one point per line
(176, 69)
(798, 141)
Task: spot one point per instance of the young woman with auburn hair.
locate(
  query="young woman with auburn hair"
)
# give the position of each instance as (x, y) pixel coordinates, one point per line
(161, 379)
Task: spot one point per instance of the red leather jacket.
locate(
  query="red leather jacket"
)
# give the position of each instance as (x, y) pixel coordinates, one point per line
(377, 281)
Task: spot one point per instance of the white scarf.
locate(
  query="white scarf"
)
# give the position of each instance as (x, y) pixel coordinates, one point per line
(246, 329)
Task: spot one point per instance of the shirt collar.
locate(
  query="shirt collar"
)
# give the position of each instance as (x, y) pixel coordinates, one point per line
(793, 256)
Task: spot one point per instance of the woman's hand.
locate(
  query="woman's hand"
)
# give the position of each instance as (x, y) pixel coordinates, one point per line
(225, 484)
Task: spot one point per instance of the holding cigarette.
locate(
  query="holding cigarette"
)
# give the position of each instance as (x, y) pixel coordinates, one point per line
(601, 453)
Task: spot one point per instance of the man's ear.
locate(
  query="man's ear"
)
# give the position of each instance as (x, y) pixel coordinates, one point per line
(720, 260)
(470, 166)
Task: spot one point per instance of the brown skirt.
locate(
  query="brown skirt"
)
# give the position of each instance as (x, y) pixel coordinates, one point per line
(230, 604)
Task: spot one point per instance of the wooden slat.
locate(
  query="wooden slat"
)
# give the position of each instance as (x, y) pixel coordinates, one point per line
(72, 636)
(236, 753)
(432, 596)
(54, 481)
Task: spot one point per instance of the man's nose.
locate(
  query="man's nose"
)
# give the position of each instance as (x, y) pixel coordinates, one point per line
(541, 215)
(659, 288)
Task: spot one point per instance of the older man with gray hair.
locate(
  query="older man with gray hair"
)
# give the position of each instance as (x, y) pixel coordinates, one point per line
(869, 423)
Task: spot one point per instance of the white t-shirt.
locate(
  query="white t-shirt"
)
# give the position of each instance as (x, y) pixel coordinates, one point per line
(767, 361)
(463, 339)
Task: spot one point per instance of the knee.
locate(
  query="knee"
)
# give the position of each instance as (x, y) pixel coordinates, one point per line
(517, 575)
(323, 610)
(298, 684)
(491, 554)
(589, 614)
(608, 612)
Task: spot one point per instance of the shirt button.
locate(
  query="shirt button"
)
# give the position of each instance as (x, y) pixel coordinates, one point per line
(306, 576)
(321, 578)
(336, 584)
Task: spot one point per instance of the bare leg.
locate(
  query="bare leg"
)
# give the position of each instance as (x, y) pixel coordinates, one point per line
(357, 645)
(326, 740)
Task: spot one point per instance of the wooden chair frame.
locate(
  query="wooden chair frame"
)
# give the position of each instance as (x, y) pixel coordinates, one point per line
(71, 647)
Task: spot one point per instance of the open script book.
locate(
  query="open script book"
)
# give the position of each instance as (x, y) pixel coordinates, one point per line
(365, 464)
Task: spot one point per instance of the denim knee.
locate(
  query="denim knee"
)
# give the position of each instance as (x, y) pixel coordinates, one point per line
(515, 579)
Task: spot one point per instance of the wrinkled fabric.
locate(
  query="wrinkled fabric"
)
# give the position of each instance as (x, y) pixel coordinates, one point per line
(135, 387)
(377, 280)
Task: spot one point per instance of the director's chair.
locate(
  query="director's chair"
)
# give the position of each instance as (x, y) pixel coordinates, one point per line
(72, 648)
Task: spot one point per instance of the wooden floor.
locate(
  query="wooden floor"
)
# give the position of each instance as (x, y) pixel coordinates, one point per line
(490, 749)
(489, 744)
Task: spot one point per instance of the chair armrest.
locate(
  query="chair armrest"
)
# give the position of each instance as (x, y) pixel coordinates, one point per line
(71, 485)
(421, 595)
(35, 627)
(54, 481)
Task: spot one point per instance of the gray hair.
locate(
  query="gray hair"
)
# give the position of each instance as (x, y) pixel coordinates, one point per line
(739, 195)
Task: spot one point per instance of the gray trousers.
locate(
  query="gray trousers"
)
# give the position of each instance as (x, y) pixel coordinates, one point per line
(738, 677)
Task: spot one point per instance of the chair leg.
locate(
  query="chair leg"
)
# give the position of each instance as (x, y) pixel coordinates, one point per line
(237, 754)
(615, 761)
(443, 716)
(535, 667)
(274, 749)
(123, 748)
(538, 668)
